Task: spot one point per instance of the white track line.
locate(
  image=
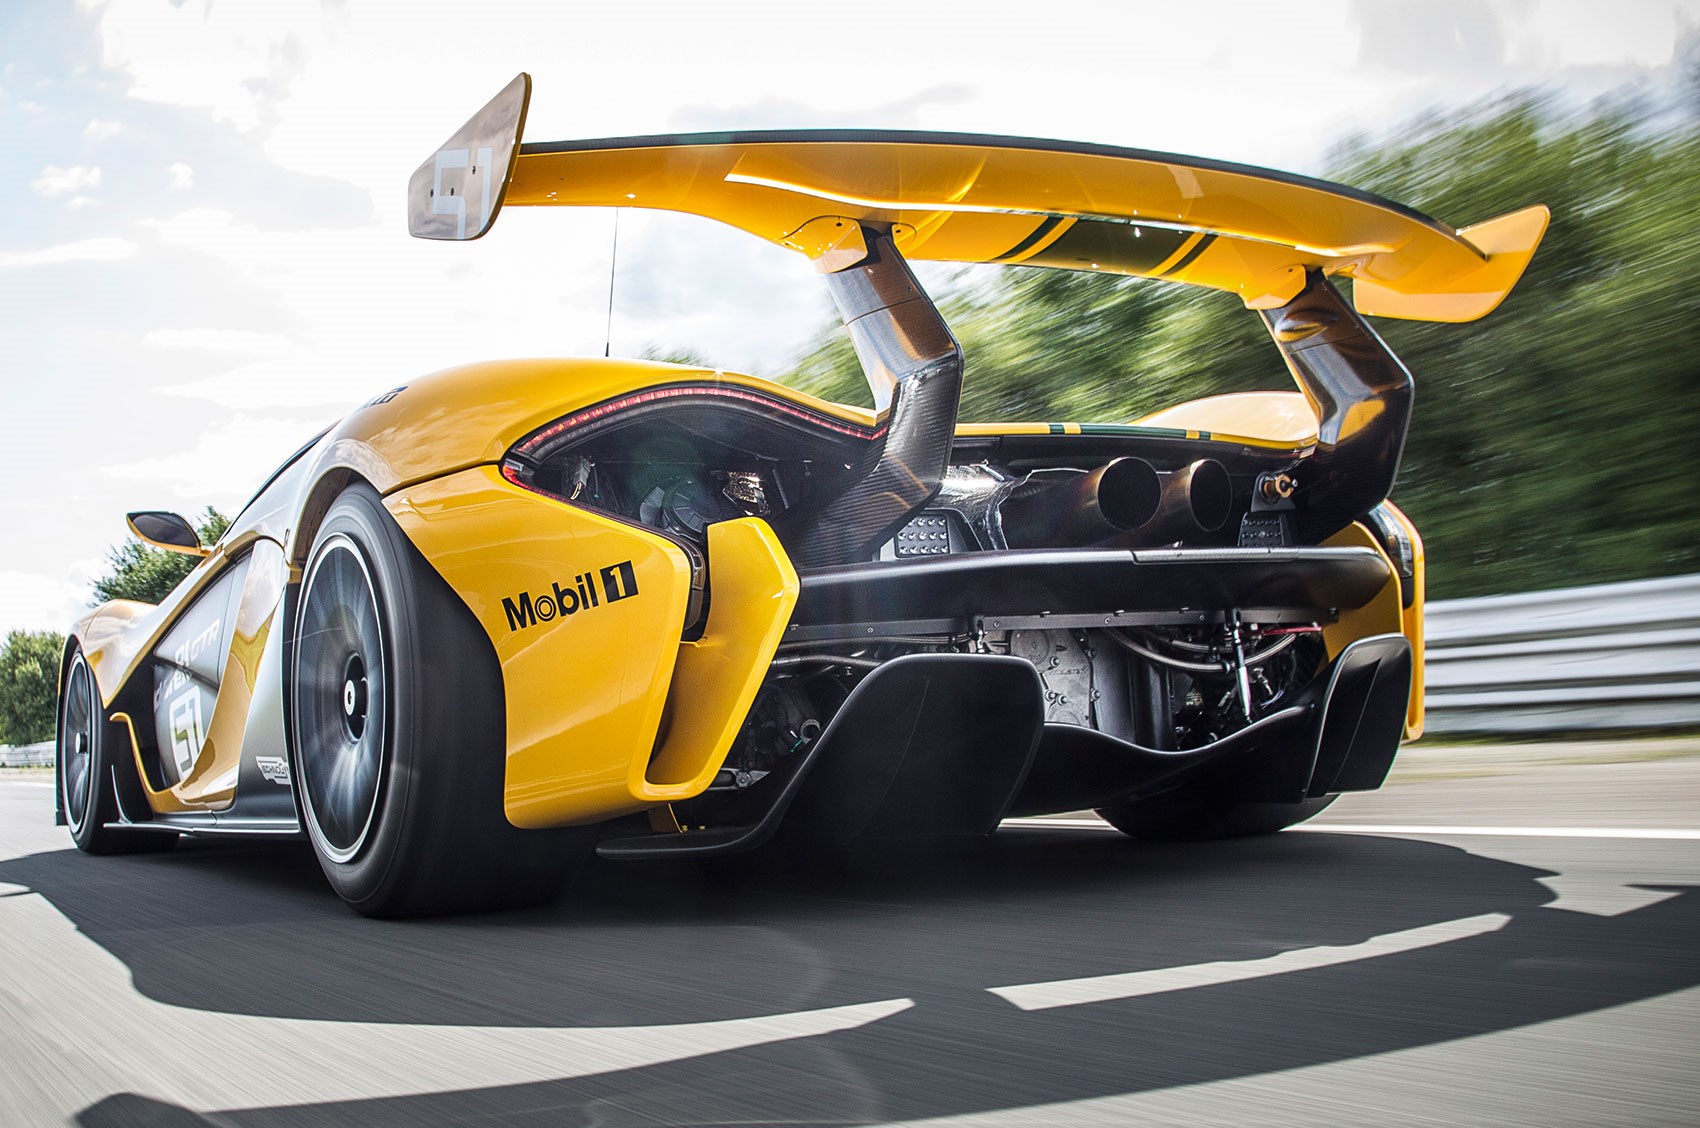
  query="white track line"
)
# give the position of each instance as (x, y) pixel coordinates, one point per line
(1133, 984)
(1672, 834)
(1650, 833)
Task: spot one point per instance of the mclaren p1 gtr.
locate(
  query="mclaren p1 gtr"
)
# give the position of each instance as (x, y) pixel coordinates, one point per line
(512, 613)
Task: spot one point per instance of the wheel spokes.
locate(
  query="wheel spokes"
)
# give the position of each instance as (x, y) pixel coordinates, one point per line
(339, 700)
(76, 741)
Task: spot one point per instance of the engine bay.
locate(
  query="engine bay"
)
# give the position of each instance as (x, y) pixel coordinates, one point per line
(701, 461)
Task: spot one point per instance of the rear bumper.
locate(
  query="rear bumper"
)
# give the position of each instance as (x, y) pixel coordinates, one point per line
(951, 744)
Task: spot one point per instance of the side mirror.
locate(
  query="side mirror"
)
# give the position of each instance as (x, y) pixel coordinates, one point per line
(167, 531)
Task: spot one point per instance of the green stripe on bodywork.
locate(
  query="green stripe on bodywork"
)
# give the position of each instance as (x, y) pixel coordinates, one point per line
(1129, 429)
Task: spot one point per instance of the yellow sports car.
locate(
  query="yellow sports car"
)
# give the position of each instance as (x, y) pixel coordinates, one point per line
(511, 613)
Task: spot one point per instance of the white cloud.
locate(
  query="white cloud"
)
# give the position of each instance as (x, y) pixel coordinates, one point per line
(182, 176)
(56, 181)
(221, 464)
(33, 601)
(1554, 34)
(244, 342)
(85, 250)
(78, 203)
(233, 60)
(99, 130)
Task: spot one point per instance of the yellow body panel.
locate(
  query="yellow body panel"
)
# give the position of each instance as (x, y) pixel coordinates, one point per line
(1411, 620)
(1508, 242)
(987, 199)
(1281, 419)
(987, 430)
(584, 687)
(754, 591)
(1385, 614)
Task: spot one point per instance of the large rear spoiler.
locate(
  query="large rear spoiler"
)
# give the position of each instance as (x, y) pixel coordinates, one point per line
(970, 198)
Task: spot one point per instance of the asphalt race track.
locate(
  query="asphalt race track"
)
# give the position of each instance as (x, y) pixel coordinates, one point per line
(1541, 965)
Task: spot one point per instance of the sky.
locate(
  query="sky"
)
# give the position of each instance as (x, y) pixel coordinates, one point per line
(203, 247)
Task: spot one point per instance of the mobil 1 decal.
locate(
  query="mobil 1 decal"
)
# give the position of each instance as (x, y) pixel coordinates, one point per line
(584, 592)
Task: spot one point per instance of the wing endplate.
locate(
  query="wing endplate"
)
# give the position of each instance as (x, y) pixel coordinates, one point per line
(457, 192)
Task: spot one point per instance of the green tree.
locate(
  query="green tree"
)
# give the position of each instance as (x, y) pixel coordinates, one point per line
(29, 685)
(146, 574)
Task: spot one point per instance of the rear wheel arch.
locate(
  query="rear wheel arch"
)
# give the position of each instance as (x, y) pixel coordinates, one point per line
(314, 508)
(430, 833)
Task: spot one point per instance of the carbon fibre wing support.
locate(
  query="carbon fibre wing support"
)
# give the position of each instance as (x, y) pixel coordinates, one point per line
(914, 367)
(1361, 394)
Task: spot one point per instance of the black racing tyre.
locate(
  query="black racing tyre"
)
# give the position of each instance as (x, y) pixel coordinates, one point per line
(399, 734)
(84, 765)
(1192, 814)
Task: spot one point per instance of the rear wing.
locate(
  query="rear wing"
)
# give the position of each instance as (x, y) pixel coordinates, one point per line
(968, 198)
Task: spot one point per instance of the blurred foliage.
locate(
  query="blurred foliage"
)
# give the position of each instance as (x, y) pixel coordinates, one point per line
(146, 574)
(1060, 344)
(690, 357)
(29, 685)
(1551, 440)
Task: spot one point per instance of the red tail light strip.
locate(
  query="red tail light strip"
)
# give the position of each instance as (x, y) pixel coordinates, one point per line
(695, 391)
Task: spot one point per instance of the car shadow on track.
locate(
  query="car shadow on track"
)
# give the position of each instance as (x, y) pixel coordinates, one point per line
(672, 943)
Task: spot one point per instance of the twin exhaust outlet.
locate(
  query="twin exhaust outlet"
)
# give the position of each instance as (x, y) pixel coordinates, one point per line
(1126, 502)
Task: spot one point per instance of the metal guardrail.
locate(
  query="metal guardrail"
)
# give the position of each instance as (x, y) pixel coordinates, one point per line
(1614, 656)
(27, 755)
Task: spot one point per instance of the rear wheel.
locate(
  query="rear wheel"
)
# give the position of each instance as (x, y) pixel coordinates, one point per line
(85, 769)
(1198, 813)
(399, 737)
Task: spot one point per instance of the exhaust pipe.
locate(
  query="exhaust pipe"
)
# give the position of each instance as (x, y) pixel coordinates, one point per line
(1126, 502)
(1064, 507)
(1196, 499)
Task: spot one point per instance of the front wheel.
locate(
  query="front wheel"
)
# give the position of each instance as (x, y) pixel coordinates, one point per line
(399, 733)
(85, 767)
